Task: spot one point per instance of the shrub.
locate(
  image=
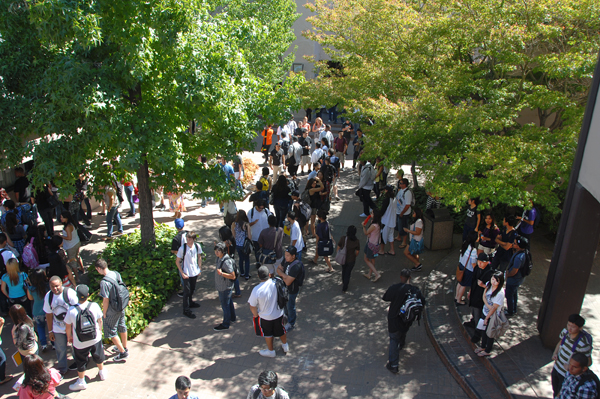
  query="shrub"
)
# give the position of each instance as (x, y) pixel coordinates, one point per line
(149, 273)
(250, 169)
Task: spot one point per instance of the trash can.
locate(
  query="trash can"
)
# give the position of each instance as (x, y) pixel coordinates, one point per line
(439, 227)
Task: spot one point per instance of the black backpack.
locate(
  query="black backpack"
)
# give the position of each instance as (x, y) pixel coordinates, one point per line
(283, 295)
(302, 274)
(589, 377)
(412, 307)
(85, 324)
(527, 264)
(118, 294)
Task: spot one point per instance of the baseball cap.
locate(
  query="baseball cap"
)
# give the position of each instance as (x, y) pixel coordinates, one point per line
(291, 250)
(179, 223)
(83, 291)
(483, 257)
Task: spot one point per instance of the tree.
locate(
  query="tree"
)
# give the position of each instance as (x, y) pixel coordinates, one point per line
(450, 84)
(111, 87)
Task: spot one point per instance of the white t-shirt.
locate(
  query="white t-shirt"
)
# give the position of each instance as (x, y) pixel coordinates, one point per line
(71, 318)
(59, 307)
(316, 155)
(7, 254)
(263, 221)
(497, 299)
(404, 198)
(190, 263)
(468, 258)
(414, 227)
(264, 297)
(296, 234)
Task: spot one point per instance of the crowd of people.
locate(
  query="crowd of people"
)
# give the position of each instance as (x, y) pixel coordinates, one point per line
(493, 261)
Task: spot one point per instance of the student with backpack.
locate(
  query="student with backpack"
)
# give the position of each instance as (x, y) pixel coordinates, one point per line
(115, 298)
(367, 179)
(518, 269)
(401, 317)
(267, 387)
(292, 273)
(225, 274)
(189, 264)
(573, 339)
(84, 330)
(580, 381)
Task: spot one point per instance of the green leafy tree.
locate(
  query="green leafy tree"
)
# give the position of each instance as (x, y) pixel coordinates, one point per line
(111, 86)
(487, 96)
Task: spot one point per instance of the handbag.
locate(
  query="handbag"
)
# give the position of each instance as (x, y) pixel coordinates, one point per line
(340, 257)
(416, 247)
(53, 201)
(325, 248)
(497, 325)
(460, 272)
(270, 257)
(248, 246)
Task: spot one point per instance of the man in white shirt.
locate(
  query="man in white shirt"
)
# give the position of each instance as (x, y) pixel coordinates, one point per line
(268, 316)
(57, 302)
(189, 262)
(84, 330)
(328, 135)
(403, 211)
(296, 234)
(258, 217)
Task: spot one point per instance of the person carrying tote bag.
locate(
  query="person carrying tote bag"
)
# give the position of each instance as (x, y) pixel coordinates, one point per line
(493, 298)
(324, 241)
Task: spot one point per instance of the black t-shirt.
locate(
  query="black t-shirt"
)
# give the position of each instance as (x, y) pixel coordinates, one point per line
(20, 187)
(295, 269)
(476, 296)
(501, 253)
(396, 296)
(471, 219)
(176, 243)
(277, 156)
(237, 162)
(328, 172)
(305, 142)
(41, 199)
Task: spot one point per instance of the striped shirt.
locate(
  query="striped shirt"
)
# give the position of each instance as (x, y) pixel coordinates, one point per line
(584, 345)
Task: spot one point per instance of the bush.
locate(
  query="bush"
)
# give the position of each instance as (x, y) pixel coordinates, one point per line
(250, 168)
(149, 273)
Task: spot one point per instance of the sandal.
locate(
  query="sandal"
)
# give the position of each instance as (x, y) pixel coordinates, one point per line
(483, 354)
(402, 246)
(7, 379)
(377, 278)
(367, 277)
(479, 350)
(391, 253)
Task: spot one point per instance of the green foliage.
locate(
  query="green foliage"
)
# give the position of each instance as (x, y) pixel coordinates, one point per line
(487, 96)
(149, 273)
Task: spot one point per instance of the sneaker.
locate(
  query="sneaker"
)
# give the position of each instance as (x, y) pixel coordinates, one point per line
(44, 348)
(220, 327)
(189, 314)
(180, 294)
(73, 366)
(417, 268)
(116, 350)
(221, 214)
(288, 327)
(362, 215)
(194, 305)
(267, 353)
(121, 356)
(285, 347)
(391, 368)
(78, 385)
(102, 374)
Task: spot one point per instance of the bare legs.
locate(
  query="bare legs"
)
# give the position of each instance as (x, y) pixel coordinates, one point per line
(413, 258)
(371, 264)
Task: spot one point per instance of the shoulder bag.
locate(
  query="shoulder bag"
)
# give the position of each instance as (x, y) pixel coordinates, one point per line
(497, 325)
(268, 256)
(340, 257)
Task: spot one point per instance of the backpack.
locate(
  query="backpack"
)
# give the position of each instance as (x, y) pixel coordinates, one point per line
(412, 308)
(285, 145)
(305, 196)
(412, 201)
(582, 334)
(119, 191)
(29, 214)
(527, 266)
(305, 210)
(30, 256)
(265, 183)
(185, 247)
(65, 297)
(585, 378)
(283, 295)
(118, 294)
(373, 173)
(236, 268)
(85, 324)
(278, 395)
(83, 234)
(2, 265)
(301, 276)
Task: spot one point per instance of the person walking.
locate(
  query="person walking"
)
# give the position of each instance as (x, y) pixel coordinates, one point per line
(352, 245)
(224, 277)
(114, 322)
(84, 331)
(372, 246)
(241, 230)
(365, 185)
(267, 315)
(112, 202)
(323, 236)
(71, 243)
(189, 264)
(415, 247)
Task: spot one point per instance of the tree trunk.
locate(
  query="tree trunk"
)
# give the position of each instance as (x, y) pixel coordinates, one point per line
(413, 170)
(145, 207)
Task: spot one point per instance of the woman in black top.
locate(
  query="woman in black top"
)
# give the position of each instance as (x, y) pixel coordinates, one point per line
(281, 199)
(323, 235)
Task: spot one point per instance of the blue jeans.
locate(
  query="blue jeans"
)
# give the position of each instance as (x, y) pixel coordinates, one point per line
(244, 262)
(60, 345)
(113, 216)
(512, 288)
(129, 195)
(291, 309)
(299, 255)
(227, 306)
(40, 327)
(397, 340)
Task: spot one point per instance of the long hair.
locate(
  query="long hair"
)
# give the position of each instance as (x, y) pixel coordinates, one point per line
(376, 219)
(493, 221)
(225, 234)
(18, 315)
(351, 233)
(67, 215)
(498, 275)
(12, 269)
(36, 375)
(281, 182)
(11, 223)
(470, 241)
(241, 218)
(38, 280)
(310, 183)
